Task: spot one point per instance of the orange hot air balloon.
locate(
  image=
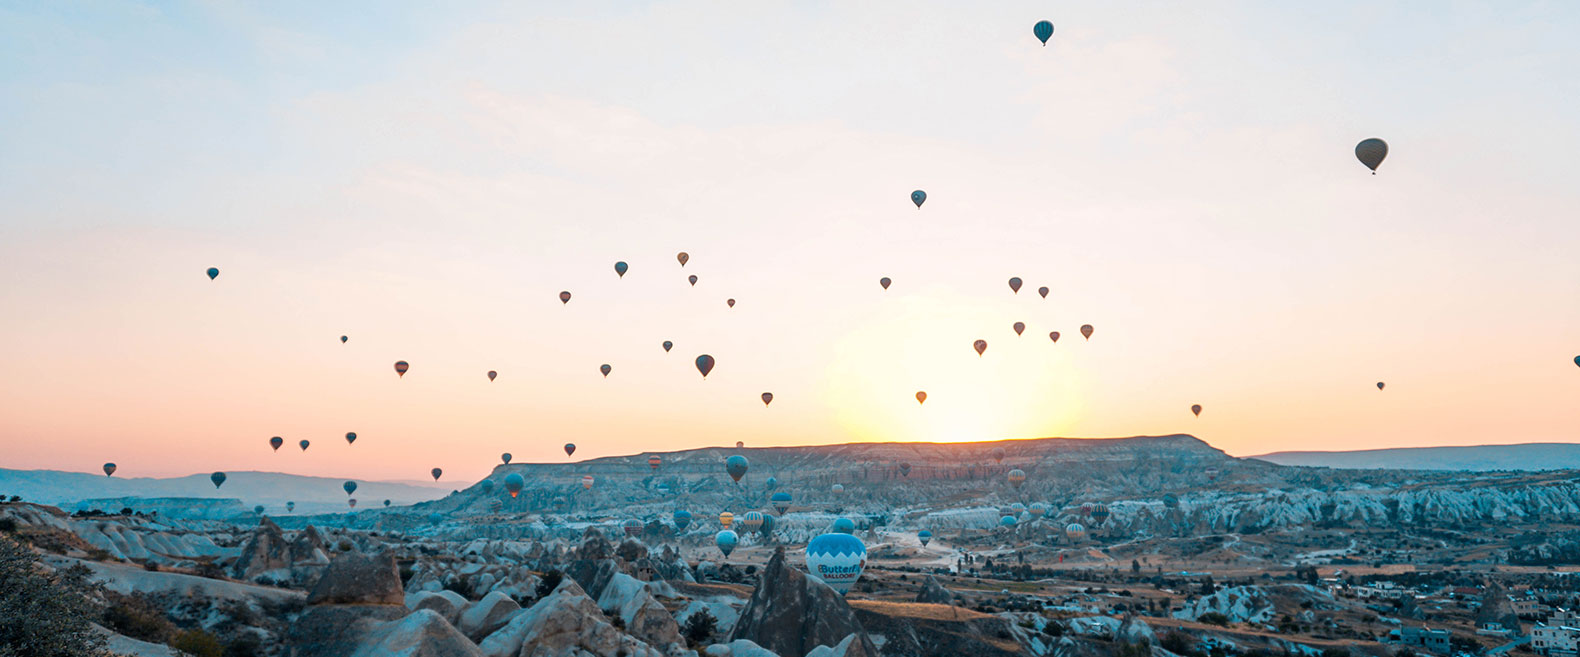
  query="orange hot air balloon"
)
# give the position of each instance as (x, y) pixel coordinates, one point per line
(693, 279)
(921, 397)
(1014, 285)
(1196, 409)
(1086, 331)
(1043, 291)
(565, 297)
(401, 367)
(884, 282)
(654, 461)
(767, 397)
(730, 302)
(704, 365)
(492, 374)
(1053, 335)
(683, 257)
(1020, 327)
(980, 346)
(587, 482)
(726, 518)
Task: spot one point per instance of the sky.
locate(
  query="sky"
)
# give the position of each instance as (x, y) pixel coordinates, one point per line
(426, 180)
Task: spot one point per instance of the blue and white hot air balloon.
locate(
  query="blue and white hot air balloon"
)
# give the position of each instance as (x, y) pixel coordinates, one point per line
(781, 501)
(1007, 521)
(844, 526)
(682, 519)
(837, 559)
(726, 541)
(924, 536)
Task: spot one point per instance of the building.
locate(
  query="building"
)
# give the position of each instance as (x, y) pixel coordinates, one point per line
(1555, 640)
(1435, 641)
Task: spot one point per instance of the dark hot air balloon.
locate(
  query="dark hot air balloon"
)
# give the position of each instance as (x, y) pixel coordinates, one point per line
(668, 345)
(350, 487)
(276, 442)
(654, 461)
(1371, 153)
(492, 374)
(303, 444)
(436, 472)
(729, 302)
(570, 448)
(683, 257)
(726, 540)
(1044, 31)
(1043, 291)
(218, 478)
(767, 397)
(565, 297)
(1020, 327)
(1014, 284)
(343, 339)
(780, 501)
(505, 458)
(109, 469)
(1053, 335)
(1380, 385)
(1017, 477)
(918, 197)
(401, 367)
(620, 268)
(386, 504)
(213, 273)
(1196, 409)
(351, 437)
(736, 465)
(513, 483)
(980, 346)
(704, 365)
(605, 369)
(682, 519)
(693, 279)
(905, 469)
(884, 282)
(998, 454)
(1086, 331)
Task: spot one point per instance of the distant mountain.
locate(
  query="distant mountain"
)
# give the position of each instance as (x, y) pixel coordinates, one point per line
(1476, 458)
(270, 489)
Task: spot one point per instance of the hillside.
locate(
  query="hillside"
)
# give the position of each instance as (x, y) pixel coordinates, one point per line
(1476, 458)
(271, 489)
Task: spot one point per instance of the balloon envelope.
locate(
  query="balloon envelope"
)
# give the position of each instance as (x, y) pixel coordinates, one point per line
(726, 540)
(109, 469)
(837, 489)
(767, 397)
(1371, 153)
(1195, 409)
(692, 279)
(726, 519)
(1043, 30)
(1054, 336)
(587, 482)
(350, 487)
(605, 369)
(905, 469)
(1020, 327)
(729, 302)
(767, 528)
(492, 374)
(884, 282)
(704, 365)
(844, 526)
(290, 506)
(218, 478)
(980, 346)
(998, 454)
(351, 437)
(436, 472)
(505, 458)
(400, 367)
(751, 521)
(303, 444)
(620, 268)
(1017, 477)
(682, 519)
(513, 483)
(654, 461)
(837, 559)
(1380, 385)
(683, 257)
(632, 527)
(925, 537)
(213, 273)
(276, 442)
(780, 501)
(918, 197)
(1043, 291)
(771, 483)
(921, 397)
(565, 297)
(736, 466)
(1007, 521)
(1014, 285)
(1086, 331)
(343, 339)
(487, 485)
(257, 510)
(1074, 531)
(668, 345)
(570, 448)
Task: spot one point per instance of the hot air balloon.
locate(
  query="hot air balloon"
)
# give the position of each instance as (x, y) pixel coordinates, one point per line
(1017, 508)
(980, 346)
(918, 197)
(771, 483)
(837, 489)
(726, 519)
(1577, 361)
(587, 482)
(1054, 336)
(257, 510)
(1074, 531)
(1007, 521)
(837, 559)
(303, 444)
(1037, 509)
(276, 442)
(1043, 291)
(729, 302)
(704, 365)
(492, 374)
(736, 466)
(844, 526)
(213, 273)
(290, 506)
(1014, 285)
(780, 501)
(386, 504)
(884, 282)
(487, 485)
(767, 528)
(1100, 514)
(1043, 30)
(692, 279)
(513, 483)
(925, 537)
(1086, 331)
(767, 397)
(905, 469)
(350, 487)
(1017, 477)
(668, 345)
(620, 268)
(683, 257)
(1020, 327)
(343, 339)
(998, 454)
(352, 502)
(435, 518)
(605, 369)
(682, 519)
(109, 469)
(1371, 153)
(751, 521)
(401, 367)
(351, 437)
(726, 540)
(1195, 409)
(921, 397)
(1380, 385)
(218, 478)
(565, 297)
(740, 444)
(570, 448)
(1171, 501)
(505, 458)
(436, 472)
(632, 526)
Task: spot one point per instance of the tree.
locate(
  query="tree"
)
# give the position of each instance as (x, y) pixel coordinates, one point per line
(198, 643)
(1135, 567)
(700, 626)
(45, 614)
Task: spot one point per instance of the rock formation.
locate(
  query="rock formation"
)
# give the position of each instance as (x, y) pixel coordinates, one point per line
(790, 613)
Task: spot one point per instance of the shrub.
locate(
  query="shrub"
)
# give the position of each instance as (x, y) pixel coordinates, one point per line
(137, 617)
(245, 644)
(7, 525)
(1213, 618)
(700, 626)
(51, 614)
(551, 580)
(198, 643)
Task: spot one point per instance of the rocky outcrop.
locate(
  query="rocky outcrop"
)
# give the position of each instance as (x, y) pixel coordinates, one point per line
(445, 603)
(933, 591)
(486, 616)
(920, 629)
(359, 579)
(563, 623)
(421, 634)
(850, 647)
(264, 551)
(336, 630)
(790, 613)
(737, 648)
(643, 615)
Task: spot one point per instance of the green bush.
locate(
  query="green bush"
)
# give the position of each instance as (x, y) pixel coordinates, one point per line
(45, 614)
(137, 617)
(1213, 618)
(700, 626)
(198, 643)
